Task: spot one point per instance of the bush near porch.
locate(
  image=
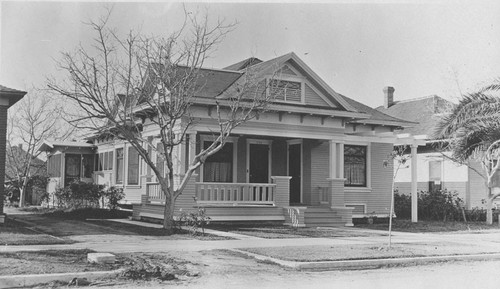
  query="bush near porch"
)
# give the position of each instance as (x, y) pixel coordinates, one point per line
(439, 205)
(84, 195)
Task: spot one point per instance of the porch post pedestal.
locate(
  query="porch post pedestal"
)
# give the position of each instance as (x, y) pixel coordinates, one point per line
(282, 193)
(337, 200)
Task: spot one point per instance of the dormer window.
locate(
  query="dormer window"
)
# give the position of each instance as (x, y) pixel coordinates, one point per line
(286, 90)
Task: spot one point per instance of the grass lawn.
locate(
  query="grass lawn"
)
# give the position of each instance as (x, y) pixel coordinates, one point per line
(430, 226)
(15, 233)
(356, 252)
(278, 231)
(51, 261)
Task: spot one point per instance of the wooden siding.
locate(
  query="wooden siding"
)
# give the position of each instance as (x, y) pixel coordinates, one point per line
(477, 187)
(320, 152)
(312, 98)
(132, 194)
(377, 200)
(286, 70)
(219, 213)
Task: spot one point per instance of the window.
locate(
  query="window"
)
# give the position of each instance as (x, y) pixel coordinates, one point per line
(87, 166)
(119, 166)
(160, 161)
(104, 161)
(133, 166)
(219, 166)
(355, 165)
(286, 90)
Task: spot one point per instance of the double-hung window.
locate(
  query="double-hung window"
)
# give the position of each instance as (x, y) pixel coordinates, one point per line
(219, 166)
(133, 166)
(119, 166)
(355, 168)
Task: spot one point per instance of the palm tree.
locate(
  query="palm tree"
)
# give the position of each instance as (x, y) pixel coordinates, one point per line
(472, 131)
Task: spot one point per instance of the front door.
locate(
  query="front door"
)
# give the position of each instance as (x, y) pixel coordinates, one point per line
(294, 171)
(72, 169)
(258, 169)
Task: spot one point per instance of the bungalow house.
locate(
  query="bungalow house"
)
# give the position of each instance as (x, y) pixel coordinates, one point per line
(435, 168)
(315, 158)
(8, 97)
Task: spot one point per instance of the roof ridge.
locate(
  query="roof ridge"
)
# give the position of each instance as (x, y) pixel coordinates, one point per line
(419, 98)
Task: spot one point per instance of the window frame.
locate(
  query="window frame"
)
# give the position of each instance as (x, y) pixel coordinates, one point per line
(367, 186)
(230, 139)
(138, 166)
(290, 79)
(122, 148)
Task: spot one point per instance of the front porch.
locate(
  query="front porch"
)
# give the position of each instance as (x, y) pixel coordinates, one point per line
(248, 202)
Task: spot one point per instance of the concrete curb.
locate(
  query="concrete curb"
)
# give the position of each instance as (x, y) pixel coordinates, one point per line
(21, 281)
(369, 263)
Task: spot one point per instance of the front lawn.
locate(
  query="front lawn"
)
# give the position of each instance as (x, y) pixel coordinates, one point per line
(16, 233)
(429, 226)
(367, 251)
(278, 231)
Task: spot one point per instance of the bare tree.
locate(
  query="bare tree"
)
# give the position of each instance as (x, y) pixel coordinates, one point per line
(124, 84)
(35, 118)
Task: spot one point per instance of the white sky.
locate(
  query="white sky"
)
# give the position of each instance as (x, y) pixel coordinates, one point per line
(420, 49)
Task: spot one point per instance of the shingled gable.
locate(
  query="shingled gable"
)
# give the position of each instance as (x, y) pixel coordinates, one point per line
(267, 68)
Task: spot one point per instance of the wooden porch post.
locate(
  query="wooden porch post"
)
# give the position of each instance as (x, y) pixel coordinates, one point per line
(414, 195)
(336, 176)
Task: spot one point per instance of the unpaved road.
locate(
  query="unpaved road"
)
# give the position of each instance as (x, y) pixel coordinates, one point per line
(230, 271)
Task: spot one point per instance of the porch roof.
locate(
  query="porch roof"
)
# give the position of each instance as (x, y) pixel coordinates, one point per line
(47, 146)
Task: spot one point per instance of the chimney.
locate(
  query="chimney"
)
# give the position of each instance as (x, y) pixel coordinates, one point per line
(388, 96)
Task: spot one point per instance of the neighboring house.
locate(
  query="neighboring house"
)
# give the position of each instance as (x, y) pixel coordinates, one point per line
(435, 169)
(315, 158)
(8, 97)
(14, 169)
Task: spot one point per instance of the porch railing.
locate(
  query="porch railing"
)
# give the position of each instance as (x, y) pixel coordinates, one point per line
(232, 193)
(154, 193)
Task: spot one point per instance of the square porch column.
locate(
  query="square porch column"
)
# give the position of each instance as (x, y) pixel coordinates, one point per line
(336, 176)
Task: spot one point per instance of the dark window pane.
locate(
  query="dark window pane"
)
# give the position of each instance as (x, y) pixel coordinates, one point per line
(219, 166)
(355, 165)
(119, 166)
(133, 166)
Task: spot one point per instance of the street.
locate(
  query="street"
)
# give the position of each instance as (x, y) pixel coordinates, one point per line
(228, 271)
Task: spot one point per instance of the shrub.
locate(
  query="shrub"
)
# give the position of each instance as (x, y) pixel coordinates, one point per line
(112, 196)
(402, 205)
(79, 195)
(440, 205)
(193, 220)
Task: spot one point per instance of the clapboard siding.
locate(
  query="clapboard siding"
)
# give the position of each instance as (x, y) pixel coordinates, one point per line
(133, 195)
(320, 152)
(405, 187)
(312, 98)
(477, 189)
(377, 200)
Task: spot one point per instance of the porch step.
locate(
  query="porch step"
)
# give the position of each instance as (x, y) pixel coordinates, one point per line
(322, 217)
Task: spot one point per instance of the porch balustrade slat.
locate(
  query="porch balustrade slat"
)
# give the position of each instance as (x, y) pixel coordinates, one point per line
(235, 193)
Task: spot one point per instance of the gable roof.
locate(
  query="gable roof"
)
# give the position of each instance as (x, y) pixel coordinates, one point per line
(269, 66)
(49, 145)
(425, 111)
(377, 117)
(243, 64)
(13, 95)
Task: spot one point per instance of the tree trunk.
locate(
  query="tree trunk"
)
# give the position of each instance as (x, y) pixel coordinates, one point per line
(168, 215)
(489, 207)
